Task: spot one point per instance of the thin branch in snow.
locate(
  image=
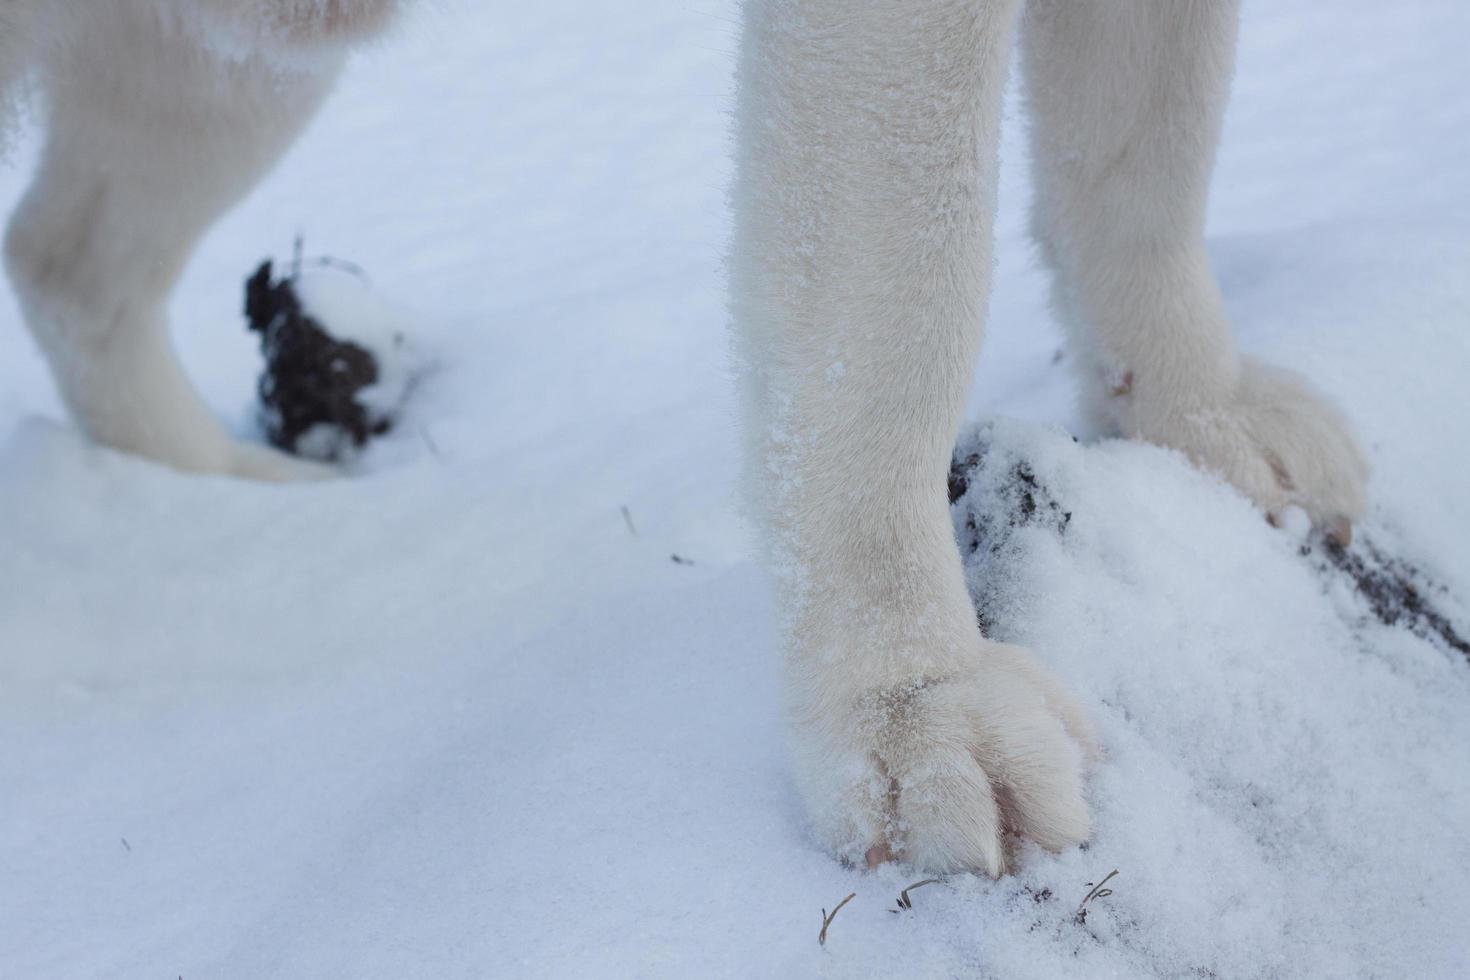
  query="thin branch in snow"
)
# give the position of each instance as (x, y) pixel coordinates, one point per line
(1098, 891)
(429, 441)
(904, 902)
(827, 919)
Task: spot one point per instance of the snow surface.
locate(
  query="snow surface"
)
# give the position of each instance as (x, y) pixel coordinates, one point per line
(458, 716)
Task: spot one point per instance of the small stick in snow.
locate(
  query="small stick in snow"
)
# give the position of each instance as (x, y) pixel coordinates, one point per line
(681, 560)
(342, 265)
(126, 844)
(429, 441)
(628, 520)
(904, 902)
(1098, 891)
(827, 919)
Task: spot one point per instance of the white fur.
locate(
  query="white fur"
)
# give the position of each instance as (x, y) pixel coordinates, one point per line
(864, 200)
(159, 114)
(1127, 100)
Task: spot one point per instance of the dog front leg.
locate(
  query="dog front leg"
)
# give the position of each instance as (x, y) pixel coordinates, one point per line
(864, 201)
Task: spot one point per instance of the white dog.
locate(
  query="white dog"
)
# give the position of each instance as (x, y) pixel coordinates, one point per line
(864, 199)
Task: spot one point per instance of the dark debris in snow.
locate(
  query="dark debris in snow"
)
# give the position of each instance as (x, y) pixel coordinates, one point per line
(1014, 499)
(1397, 593)
(310, 377)
(1025, 502)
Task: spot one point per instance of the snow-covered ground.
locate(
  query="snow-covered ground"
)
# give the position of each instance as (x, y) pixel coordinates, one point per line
(457, 716)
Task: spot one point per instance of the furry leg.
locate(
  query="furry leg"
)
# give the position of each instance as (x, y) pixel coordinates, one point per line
(1127, 100)
(18, 39)
(864, 202)
(150, 137)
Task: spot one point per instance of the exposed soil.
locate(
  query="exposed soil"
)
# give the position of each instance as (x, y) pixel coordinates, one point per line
(1018, 499)
(1397, 593)
(1025, 502)
(310, 377)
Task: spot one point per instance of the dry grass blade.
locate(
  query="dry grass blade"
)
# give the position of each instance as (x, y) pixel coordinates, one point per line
(904, 902)
(1098, 891)
(827, 919)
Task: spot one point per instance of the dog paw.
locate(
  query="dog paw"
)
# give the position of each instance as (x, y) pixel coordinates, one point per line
(1279, 442)
(938, 772)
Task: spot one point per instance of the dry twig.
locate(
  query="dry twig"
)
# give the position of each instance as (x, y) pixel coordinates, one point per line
(827, 919)
(904, 902)
(1098, 891)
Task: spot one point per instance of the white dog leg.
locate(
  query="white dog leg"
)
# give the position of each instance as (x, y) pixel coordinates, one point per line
(864, 202)
(150, 137)
(1127, 99)
(18, 37)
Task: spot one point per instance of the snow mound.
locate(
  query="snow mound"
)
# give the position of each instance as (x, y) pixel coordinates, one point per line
(1285, 722)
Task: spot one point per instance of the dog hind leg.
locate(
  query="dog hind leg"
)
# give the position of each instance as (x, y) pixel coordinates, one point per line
(1127, 100)
(149, 138)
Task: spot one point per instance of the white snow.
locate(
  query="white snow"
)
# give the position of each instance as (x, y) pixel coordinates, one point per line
(453, 717)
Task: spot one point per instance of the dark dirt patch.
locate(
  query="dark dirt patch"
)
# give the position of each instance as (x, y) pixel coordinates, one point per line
(959, 475)
(1397, 593)
(1021, 500)
(1007, 496)
(310, 377)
